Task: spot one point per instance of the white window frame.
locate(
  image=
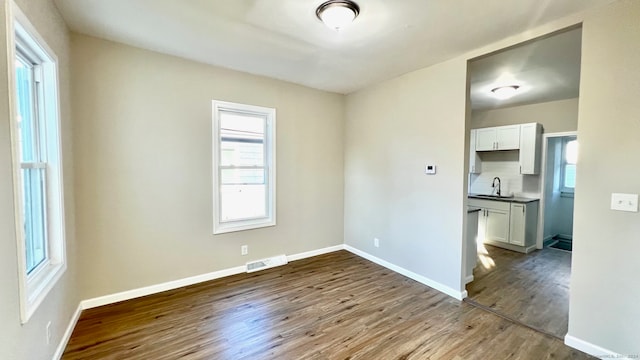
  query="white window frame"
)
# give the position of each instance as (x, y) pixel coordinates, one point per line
(219, 226)
(35, 286)
(569, 191)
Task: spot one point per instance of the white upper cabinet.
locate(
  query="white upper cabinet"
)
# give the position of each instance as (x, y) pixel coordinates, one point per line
(508, 137)
(486, 139)
(530, 143)
(475, 164)
(498, 138)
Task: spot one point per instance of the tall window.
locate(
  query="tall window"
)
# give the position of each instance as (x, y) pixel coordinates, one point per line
(37, 174)
(244, 166)
(569, 158)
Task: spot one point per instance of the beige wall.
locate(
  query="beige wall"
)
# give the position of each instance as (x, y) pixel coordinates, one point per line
(604, 284)
(28, 341)
(555, 116)
(393, 130)
(143, 167)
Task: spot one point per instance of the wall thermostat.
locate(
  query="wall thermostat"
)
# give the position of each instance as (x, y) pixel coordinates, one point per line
(430, 170)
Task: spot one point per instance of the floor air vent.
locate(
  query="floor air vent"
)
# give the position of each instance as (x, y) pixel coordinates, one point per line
(266, 263)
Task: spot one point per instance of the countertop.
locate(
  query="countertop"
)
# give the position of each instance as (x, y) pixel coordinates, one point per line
(472, 210)
(515, 199)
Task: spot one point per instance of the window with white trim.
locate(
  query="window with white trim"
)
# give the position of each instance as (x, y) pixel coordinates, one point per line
(569, 159)
(35, 134)
(244, 171)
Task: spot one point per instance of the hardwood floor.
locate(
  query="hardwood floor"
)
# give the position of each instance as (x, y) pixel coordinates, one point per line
(334, 306)
(532, 288)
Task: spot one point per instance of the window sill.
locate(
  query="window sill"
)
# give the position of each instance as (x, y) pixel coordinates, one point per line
(242, 226)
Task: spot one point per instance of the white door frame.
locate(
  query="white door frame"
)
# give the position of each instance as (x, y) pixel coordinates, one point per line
(543, 175)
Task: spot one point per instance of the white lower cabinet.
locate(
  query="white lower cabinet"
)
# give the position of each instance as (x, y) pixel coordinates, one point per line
(497, 225)
(511, 225)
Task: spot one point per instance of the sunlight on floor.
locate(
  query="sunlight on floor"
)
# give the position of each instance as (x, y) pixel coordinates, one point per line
(483, 254)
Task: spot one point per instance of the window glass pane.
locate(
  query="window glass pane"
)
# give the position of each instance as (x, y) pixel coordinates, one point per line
(242, 139)
(26, 119)
(33, 193)
(571, 152)
(570, 176)
(242, 176)
(240, 202)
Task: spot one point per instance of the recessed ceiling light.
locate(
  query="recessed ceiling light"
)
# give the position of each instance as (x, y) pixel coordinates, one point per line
(505, 92)
(337, 14)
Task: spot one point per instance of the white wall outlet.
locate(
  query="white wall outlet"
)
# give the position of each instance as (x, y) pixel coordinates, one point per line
(430, 169)
(49, 333)
(376, 242)
(244, 249)
(624, 202)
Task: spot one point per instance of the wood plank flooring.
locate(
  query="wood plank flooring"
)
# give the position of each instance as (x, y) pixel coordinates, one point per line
(531, 288)
(334, 306)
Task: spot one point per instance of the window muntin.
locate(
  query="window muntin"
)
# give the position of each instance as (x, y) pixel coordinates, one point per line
(35, 135)
(244, 191)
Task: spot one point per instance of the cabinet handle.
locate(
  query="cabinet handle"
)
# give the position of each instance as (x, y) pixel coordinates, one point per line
(523, 209)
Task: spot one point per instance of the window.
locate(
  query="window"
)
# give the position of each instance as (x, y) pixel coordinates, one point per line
(569, 158)
(38, 165)
(244, 167)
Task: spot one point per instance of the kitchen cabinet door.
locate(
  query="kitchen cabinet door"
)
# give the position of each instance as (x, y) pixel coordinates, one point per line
(485, 139)
(508, 137)
(497, 225)
(517, 224)
(530, 146)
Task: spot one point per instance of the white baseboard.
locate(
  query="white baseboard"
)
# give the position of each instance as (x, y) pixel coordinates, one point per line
(468, 279)
(153, 289)
(419, 278)
(67, 333)
(171, 285)
(313, 253)
(594, 350)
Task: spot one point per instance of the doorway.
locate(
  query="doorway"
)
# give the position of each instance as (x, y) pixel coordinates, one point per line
(558, 178)
(526, 280)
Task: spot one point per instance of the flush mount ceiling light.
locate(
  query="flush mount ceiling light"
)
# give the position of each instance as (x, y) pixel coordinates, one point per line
(505, 92)
(337, 14)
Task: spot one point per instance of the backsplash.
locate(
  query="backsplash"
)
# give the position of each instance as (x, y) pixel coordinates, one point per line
(506, 166)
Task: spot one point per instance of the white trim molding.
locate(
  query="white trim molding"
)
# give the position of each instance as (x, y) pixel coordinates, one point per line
(158, 288)
(595, 350)
(67, 333)
(459, 295)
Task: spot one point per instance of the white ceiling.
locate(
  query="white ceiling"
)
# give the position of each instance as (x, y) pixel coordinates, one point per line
(283, 39)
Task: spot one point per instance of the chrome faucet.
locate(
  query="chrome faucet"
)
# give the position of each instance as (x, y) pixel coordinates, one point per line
(493, 185)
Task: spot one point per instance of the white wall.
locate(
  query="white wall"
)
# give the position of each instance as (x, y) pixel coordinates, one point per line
(393, 130)
(28, 341)
(143, 167)
(604, 277)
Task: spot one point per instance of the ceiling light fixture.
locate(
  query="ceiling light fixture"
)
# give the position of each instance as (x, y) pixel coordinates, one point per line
(505, 92)
(337, 14)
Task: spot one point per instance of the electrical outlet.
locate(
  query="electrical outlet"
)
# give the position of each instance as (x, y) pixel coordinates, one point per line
(376, 242)
(49, 333)
(244, 249)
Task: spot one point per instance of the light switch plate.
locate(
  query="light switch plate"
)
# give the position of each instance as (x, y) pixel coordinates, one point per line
(624, 202)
